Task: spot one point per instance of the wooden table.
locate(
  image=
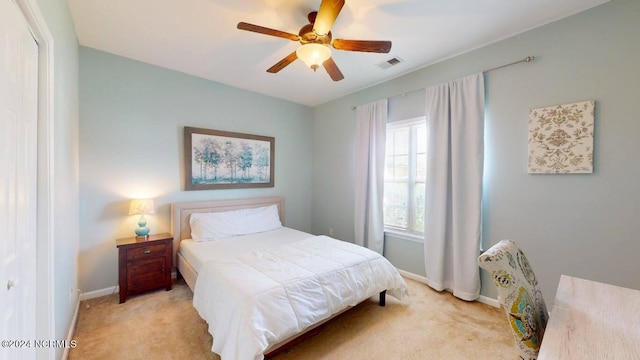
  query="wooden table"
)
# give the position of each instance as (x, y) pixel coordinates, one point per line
(592, 320)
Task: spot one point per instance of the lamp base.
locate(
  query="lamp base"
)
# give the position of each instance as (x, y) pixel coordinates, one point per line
(142, 231)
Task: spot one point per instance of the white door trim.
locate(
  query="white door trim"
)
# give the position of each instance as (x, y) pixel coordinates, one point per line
(45, 281)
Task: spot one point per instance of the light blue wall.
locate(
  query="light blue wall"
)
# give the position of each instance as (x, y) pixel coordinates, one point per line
(131, 130)
(65, 164)
(581, 225)
(132, 116)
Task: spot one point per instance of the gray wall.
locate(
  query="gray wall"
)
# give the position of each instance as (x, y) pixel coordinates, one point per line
(581, 225)
(65, 172)
(132, 118)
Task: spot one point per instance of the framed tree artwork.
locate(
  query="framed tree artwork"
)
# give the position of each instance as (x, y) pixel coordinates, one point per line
(226, 160)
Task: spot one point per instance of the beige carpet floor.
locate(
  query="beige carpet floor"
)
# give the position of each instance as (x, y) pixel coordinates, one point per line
(164, 325)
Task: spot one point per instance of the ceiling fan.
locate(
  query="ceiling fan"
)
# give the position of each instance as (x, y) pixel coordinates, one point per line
(315, 39)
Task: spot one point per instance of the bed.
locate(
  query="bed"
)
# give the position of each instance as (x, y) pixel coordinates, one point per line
(259, 291)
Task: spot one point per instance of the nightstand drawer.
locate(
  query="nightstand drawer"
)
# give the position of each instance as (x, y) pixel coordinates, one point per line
(148, 251)
(146, 274)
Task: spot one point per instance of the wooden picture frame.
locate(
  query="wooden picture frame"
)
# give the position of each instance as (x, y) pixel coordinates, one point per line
(216, 159)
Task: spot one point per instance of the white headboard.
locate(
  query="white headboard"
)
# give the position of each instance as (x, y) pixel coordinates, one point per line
(180, 212)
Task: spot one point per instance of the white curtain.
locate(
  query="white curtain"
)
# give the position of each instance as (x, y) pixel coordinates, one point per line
(455, 153)
(371, 129)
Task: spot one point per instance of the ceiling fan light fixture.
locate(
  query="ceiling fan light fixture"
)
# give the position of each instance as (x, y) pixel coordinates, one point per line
(313, 55)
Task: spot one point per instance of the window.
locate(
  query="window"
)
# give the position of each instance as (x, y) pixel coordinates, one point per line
(405, 174)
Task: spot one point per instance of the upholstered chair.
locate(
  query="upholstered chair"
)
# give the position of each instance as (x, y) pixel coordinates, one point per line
(519, 295)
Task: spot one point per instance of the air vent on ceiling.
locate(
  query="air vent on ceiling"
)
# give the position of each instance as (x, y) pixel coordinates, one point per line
(391, 62)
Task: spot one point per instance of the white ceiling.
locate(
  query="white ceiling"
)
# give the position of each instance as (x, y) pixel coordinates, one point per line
(199, 37)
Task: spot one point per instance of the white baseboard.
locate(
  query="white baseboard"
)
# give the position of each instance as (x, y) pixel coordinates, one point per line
(72, 329)
(419, 278)
(109, 290)
(489, 301)
(412, 276)
(98, 293)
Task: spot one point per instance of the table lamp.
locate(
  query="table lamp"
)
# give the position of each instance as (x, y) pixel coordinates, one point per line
(142, 207)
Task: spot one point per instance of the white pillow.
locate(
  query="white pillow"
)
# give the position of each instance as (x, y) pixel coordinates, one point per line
(222, 225)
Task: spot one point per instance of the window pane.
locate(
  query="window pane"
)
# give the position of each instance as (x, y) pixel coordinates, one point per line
(421, 167)
(418, 223)
(401, 167)
(389, 145)
(421, 138)
(395, 204)
(405, 166)
(401, 142)
(388, 167)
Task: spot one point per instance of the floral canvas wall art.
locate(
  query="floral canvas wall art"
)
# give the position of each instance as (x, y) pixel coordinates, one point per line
(561, 139)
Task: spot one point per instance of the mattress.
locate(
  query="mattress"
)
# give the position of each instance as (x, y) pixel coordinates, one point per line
(197, 253)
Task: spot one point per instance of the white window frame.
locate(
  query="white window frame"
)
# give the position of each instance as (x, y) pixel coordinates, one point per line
(407, 233)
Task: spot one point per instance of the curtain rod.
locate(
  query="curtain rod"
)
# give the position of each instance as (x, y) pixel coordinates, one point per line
(527, 59)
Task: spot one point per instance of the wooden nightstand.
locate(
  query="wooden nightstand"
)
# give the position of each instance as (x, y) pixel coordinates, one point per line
(144, 263)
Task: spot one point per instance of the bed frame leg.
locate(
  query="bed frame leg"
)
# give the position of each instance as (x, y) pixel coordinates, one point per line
(383, 298)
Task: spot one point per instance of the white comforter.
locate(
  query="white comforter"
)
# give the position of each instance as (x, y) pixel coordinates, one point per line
(260, 298)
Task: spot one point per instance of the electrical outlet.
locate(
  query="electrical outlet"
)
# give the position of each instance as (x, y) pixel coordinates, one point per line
(330, 231)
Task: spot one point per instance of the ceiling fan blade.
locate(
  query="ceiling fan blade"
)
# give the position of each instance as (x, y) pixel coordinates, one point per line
(375, 46)
(332, 69)
(283, 63)
(327, 14)
(263, 30)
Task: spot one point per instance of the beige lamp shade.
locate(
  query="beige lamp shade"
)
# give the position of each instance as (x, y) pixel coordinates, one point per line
(142, 207)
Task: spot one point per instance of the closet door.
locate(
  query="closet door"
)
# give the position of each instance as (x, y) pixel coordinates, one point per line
(18, 176)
